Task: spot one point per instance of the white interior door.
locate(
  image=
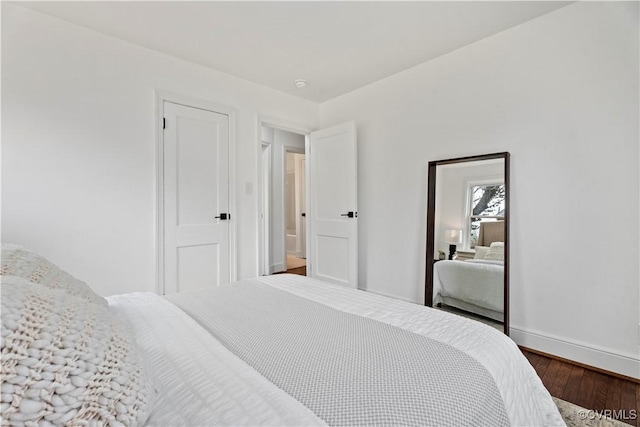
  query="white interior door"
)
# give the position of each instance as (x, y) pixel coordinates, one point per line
(333, 209)
(196, 198)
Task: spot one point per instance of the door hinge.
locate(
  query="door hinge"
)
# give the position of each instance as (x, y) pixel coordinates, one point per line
(164, 123)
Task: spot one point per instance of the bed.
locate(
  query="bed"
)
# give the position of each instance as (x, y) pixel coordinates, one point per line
(277, 350)
(475, 285)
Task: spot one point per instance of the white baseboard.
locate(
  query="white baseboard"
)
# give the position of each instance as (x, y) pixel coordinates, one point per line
(624, 364)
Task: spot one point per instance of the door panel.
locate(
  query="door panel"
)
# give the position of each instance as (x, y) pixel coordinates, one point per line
(198, 169)
(196, 265)
(333, 193)
(196, 190)
(334, 264)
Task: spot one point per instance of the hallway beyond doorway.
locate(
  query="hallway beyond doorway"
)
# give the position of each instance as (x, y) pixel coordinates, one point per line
(295, 262)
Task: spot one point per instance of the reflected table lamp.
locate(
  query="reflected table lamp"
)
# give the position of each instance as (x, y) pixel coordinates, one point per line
(453, 237)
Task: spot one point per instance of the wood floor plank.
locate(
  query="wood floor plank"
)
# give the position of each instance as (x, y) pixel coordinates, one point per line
(572, 389)
(541, 367)
(529, 355)
(551, 373)
(560, 383)
(601, 386)
(533, 358)
(613, 396)
(585, 397)
(628, 401)
(302, 271)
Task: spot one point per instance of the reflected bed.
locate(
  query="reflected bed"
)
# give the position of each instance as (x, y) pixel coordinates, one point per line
(476, 286)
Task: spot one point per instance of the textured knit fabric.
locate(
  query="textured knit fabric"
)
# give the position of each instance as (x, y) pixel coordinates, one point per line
(18, 261)
(67, 362)
(348, 369)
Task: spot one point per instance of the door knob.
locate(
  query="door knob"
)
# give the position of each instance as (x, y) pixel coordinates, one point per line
(224, 216)
(350, 214)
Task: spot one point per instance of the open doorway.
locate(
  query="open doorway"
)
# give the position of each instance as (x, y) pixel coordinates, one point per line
(283, 201)
(295, 212)
(331, 200)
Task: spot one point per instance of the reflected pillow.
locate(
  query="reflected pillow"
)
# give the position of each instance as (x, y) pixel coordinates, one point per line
(481, 252)
(495, 252)
(497, 244)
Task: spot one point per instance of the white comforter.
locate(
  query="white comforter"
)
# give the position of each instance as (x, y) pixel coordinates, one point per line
(202, 383)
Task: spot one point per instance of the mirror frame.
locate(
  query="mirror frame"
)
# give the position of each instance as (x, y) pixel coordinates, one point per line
(431, 219)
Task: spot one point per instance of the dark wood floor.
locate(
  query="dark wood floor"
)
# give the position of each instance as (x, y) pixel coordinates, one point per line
(588, 388)
(300, 270)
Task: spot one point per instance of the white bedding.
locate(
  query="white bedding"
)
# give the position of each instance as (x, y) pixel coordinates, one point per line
(476, 283)
(202, 383)
(199, 382)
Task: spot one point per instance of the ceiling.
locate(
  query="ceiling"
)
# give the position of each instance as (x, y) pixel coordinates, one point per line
(336, 46)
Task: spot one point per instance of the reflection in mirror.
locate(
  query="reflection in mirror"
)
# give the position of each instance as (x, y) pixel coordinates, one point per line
(467, 238)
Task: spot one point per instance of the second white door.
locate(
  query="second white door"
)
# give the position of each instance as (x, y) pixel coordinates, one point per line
(333, 205)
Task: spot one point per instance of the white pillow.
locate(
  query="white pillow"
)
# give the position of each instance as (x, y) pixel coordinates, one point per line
(18, 261)
(497, 244)
(66, 362)
(495, 253)
(481, 252)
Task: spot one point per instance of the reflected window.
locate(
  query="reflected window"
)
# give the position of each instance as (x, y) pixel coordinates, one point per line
(486, 203)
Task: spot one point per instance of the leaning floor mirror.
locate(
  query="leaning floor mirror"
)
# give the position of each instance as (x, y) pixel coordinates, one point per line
(467, 270)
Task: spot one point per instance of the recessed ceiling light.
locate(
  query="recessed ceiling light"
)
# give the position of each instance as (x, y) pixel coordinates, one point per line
(301, 83)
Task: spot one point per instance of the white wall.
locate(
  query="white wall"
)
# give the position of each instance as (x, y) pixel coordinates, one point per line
(561, 94)
(78, 146)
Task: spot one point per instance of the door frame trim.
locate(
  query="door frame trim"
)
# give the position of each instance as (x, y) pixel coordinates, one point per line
(264, 235)
(160, 97)
(276, 123)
